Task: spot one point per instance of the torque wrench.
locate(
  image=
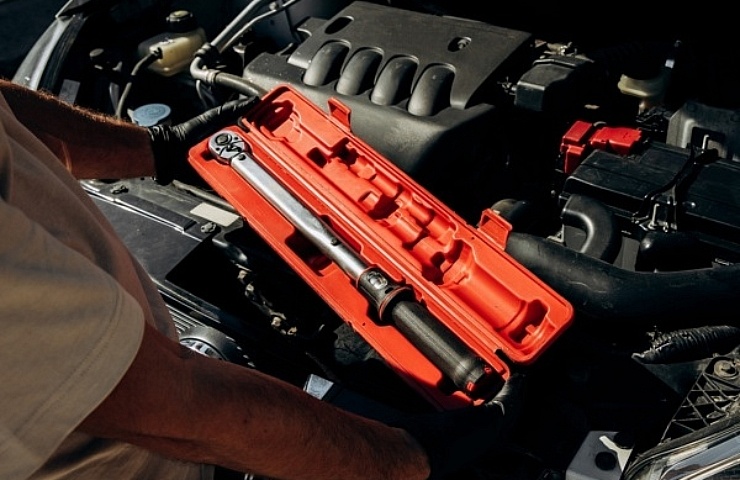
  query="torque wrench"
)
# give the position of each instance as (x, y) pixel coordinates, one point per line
(395, 303)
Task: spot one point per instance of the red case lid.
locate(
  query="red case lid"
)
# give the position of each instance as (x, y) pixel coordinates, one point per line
(461, 273)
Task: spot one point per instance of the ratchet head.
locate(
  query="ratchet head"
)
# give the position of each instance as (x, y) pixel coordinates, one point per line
(226, 146)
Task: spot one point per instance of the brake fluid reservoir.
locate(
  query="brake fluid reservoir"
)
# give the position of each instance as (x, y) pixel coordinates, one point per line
(178, 44)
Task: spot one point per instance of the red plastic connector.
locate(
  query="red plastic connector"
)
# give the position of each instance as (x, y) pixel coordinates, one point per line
(583, 137)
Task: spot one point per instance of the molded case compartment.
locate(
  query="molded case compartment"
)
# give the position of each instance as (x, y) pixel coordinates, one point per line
(461, 273)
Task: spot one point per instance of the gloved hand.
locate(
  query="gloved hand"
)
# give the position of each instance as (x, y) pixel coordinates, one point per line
(170, 144)
(454, 439)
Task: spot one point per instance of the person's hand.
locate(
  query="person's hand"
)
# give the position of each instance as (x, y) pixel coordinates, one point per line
(454, 439)
(170, 144)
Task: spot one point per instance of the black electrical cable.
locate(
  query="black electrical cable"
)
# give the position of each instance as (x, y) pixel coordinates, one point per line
(147, 60)
(691, 344)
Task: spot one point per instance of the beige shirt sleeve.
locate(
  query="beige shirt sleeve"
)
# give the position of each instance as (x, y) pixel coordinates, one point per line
(69, 333)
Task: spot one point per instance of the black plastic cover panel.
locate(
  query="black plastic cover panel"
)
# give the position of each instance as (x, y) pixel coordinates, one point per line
(706, 204)
(472, 52)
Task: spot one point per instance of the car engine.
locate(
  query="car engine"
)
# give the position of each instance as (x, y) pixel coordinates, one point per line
(611, 149)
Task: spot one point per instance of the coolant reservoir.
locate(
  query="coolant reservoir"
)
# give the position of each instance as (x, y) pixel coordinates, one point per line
(182, 39)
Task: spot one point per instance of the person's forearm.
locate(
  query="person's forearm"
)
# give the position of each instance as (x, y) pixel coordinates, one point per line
(190, 407)
(281, 432)
(92, 145)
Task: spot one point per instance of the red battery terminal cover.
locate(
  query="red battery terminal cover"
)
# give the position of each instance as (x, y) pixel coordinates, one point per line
(583, 137)
(460, 273)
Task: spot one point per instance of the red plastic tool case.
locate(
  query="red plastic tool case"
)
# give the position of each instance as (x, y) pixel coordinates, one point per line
(461, 273)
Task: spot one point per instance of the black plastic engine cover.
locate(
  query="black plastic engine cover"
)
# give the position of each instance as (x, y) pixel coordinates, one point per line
(418, 86)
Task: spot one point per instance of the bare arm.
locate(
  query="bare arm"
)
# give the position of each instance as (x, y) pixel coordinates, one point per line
(92, 145)
(247, 422)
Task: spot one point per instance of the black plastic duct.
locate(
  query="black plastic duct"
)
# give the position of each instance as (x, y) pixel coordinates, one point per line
(603, 291)
(603, 238)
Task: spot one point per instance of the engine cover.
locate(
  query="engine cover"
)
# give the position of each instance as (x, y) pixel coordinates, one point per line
(414, 83)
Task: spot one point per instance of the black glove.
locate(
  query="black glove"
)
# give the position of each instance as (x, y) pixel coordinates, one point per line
(170, 144)
(454, 439)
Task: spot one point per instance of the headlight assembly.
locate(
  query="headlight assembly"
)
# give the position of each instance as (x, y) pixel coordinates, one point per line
(714, 456)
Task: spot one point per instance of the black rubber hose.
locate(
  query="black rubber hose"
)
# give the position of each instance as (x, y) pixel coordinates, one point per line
(603, 238)
(603, 291)
(207, 54)
(237, 84)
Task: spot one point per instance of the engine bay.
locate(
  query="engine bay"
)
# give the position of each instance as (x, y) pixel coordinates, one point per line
(612, 153)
